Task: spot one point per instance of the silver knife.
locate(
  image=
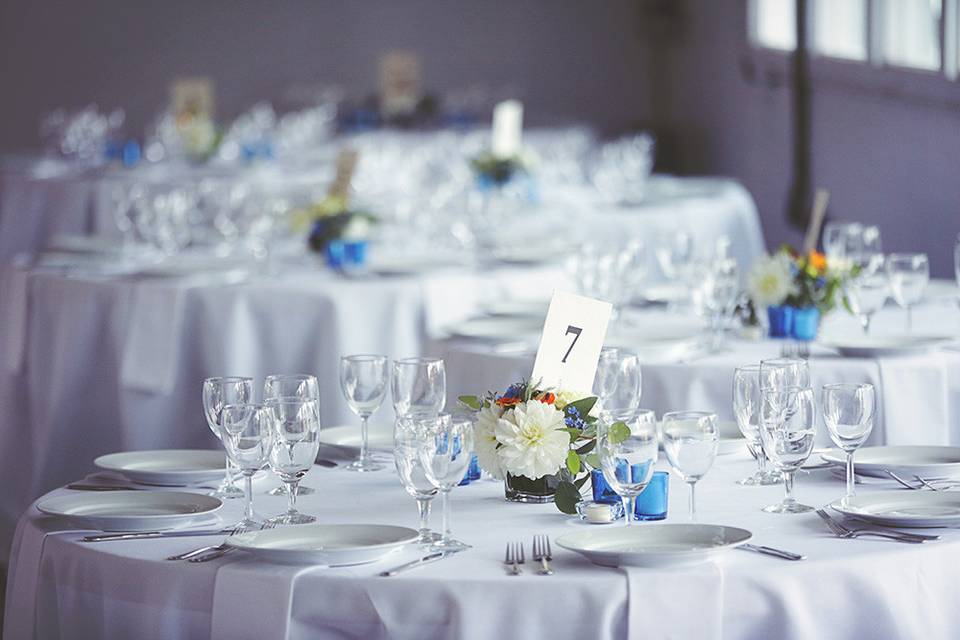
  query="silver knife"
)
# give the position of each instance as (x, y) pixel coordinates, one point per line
(433, 557)
(139, 535)
(770, 551)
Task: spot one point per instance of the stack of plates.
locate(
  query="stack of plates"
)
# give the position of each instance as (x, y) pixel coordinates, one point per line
(165, 467)
(131, 510)
(654, 545)
(330, 545)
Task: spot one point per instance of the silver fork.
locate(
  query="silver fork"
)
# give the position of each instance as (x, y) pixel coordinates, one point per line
(514, 558)
(541, 553)
(843, 531)
(240, 528)
(924, 482)
(223, 548)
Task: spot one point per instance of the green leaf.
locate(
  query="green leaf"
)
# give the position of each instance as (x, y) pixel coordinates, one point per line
(567, 497)
(618, 432)
(574, 433)
(472, 402)
(582, 481)
(587, 448)
(593, 460)
(584, 405)
(573, 462)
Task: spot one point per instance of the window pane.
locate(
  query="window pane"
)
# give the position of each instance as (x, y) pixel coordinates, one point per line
(775, 24)
(911, 33)
(840, 28)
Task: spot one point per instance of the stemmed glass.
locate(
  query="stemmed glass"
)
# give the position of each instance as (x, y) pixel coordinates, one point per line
(295, 440)
(247, 433)
(628, 463)
(406, 456)
(446, 448)
(784, 372)
(627, 391)
(848, 410)
(909, 274)
(419, 385)
(217, 393)
(291, 385)
(605, 380)
(867, 292)
(746, 409)
(787, 429)
(363, 380)
(690, 440)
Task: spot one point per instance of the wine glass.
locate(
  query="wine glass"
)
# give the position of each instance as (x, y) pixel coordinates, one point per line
(291, 385)
(406, 456)
(363, 380)
(867, 292)
(787, 429)
(746, 409)
(247, 434)
(909, 274)
(419, 385)
(627, 457)
(690, 440)
(446, 448)
(219, 392)
(295, 440)
(675, 255)
(848, 410)
(605, 380)
(784, 372)
(627, 391)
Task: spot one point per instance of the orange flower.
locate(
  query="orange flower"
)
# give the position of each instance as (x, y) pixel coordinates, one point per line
(817, 260)
(547, 398)
(508, 402)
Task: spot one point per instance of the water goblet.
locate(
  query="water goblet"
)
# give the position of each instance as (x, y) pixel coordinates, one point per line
(247, 433)
(295, 440)
(787, 429)
(406, 456)
(909, 274)
(627, 391)
(690, 440)
(784, 372)
(848, 410)
(627, 446)
(219, 392)
(867, 292)
(291, 385)
(446, 448)
(363, 380)
(746, 410)
(419, 385)
(605, 380)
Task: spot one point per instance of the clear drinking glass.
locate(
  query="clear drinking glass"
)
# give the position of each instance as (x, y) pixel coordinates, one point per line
(848, 410)
(217, 393)
(419, 385)
(413, 477)
(690, 440)
(627, 391)
(784, 372)
(606, 378)
(909, 274)
(247, 433)
(295, 440)
(787, 429)
(446, 447)
(867, 292)
(363, 380)
(628, 464)
(746, 410)
(291, 385)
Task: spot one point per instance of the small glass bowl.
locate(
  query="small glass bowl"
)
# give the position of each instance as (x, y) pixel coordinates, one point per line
(599, 512)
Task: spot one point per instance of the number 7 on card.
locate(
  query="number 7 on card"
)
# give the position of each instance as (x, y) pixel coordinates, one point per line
(570, 345)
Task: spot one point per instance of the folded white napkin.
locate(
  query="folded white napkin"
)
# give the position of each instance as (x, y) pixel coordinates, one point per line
(695, 608)
(151, 350)
(914, 391)
(13, 292)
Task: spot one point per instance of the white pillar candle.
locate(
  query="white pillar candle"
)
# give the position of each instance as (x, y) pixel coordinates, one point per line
(597, 512)
(507, 128)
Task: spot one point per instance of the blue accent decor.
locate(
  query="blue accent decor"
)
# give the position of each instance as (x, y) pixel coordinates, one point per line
(130, 155)
(345, 255)
(781, 321)
(473, 471)
(652, 502)
(806, 322)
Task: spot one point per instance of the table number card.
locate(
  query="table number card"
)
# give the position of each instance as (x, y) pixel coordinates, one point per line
(570, 345)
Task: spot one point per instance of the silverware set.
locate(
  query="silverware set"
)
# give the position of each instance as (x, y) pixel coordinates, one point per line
(206, 554)
(145, 535)
(842, 531)
(928, 483)
(515, 556)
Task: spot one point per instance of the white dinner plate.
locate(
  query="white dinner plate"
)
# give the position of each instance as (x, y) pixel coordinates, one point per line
(928, 462)
(166, 467)
(131, 510)
(519, 308)
(348, 437)
(903, 508)
(325, 544)
(654, 545)
(497, 328)
(880, 346)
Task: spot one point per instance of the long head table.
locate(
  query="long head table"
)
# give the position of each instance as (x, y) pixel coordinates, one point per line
(59, 587)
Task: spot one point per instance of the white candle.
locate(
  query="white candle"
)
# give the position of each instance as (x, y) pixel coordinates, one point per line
(597, 512)
(507, 128)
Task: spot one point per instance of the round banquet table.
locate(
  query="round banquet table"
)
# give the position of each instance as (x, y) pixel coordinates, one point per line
(918, 395)
(59, 587)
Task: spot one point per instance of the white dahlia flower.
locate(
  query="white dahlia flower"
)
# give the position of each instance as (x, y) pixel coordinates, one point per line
(533, 443)
(485, 440)
(770, 281)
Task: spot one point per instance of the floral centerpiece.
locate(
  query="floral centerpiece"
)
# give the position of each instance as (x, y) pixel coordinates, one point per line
(492, 170)
(199, 135)
(336, 230)
(796, 289)
(539, 441)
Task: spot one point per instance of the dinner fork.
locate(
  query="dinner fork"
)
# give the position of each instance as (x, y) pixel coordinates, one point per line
(240, 528)
(223, 548)
(541, 553)
(842, 531)
(924, 482)
(514, 558)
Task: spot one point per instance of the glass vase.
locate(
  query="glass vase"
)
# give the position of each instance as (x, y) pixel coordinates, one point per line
(523, 489)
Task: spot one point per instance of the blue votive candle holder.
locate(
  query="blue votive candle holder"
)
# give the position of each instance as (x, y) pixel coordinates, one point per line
(651, 504)
(602, 492)
(473, 471)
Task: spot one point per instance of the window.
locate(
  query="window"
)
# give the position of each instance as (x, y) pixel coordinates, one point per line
(840, 29)
(911, 33)
(775, 24)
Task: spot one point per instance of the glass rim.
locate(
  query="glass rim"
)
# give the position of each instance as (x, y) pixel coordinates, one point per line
(417, 360)
(847, 385)
(754, 366)
(227, 379)
(363, 357)
(689, 413)
(289, 400)
(290, 376)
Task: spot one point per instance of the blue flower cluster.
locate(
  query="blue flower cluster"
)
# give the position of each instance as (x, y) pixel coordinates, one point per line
(573, 419)
(514, 391)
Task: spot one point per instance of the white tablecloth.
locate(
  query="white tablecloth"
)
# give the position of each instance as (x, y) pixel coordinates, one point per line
(845, 589)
